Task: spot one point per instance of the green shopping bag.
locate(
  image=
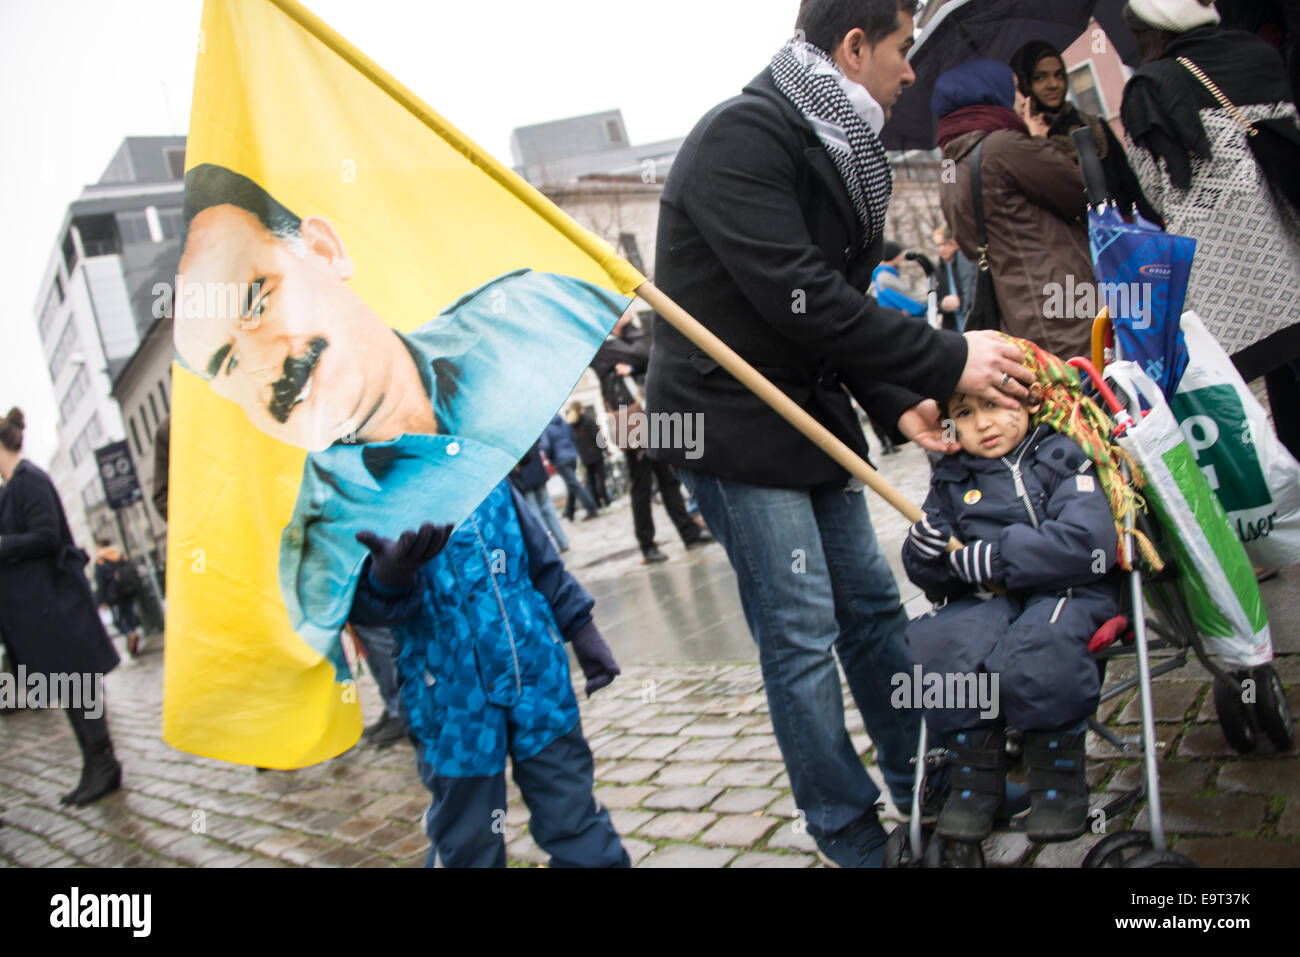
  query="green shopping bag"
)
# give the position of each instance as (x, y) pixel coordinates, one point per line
(1215, 578)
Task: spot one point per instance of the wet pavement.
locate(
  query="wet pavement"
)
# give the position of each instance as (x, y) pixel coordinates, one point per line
(685, 758)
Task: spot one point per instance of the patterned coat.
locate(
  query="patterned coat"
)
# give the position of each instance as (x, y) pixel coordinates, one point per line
(1245, 281)
(482, 660)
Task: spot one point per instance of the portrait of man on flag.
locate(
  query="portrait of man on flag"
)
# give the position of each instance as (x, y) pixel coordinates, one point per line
(421, 423)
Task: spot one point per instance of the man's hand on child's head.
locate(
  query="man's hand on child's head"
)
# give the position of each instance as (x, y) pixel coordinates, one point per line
(924, 426)
(595, 658)
(394, 564)
(995, 370)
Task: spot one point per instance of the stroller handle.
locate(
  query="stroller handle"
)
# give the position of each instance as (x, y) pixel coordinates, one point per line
(1122, 415)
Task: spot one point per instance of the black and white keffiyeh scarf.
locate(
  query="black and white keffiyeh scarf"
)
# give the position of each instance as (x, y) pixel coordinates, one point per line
(809, 79)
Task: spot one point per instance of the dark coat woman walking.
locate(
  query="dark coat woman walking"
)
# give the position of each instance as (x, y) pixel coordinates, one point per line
(48, 616)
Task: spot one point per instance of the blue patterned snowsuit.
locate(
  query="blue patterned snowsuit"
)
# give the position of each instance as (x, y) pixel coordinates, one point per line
(484, 673)
(1051, 530)
(483, 664)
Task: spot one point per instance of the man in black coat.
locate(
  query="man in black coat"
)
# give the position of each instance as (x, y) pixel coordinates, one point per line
(625, 354)
(770, 225)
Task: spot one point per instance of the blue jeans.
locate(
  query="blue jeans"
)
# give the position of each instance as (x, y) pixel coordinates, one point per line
(545, 509)
(814, 584)
(576, 491)
(465, 822)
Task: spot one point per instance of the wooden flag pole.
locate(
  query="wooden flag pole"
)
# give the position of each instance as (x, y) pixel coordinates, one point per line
(618, 269)
(783, 405)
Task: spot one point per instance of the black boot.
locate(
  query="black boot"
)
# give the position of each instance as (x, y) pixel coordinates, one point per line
(102, 775)
(100, 772)
(1058, 784)
(79, 732)
(979, 781)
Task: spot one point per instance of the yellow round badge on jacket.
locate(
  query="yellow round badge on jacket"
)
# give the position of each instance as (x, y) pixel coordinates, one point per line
(971, 497)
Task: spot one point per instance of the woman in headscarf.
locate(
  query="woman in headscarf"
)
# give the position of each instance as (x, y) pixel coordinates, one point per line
(1041, 78)
(1190, 110)
(1033, 206)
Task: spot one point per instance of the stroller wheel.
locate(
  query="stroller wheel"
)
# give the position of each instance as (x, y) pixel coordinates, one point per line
(1154, 858)
(1235, 716)
(1272, 712)
(898, 847)
(942, 852)
(1118, 849)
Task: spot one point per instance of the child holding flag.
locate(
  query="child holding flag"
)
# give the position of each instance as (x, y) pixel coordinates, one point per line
(481, 614)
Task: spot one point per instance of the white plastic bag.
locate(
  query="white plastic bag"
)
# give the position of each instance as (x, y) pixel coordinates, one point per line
(1215, 579)
(1251, 471)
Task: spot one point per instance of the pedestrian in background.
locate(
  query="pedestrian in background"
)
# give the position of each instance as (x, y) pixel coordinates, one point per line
(562, 452)
(586, 434)
(1041, 78)
(529, 477)
(956, 286)
(47, 613)
(117, 583)
(621, 364)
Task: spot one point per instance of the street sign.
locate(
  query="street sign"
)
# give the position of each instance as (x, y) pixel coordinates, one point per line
(117, 473)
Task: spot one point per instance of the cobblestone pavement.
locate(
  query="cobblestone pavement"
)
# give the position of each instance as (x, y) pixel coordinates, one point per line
(685, 757)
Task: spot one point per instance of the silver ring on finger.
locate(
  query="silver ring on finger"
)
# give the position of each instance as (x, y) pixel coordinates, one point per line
(1006, 377)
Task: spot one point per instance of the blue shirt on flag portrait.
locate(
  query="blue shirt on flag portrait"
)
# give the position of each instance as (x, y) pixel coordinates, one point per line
(496, 365)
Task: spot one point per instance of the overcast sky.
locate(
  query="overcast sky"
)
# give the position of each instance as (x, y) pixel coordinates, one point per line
(76, 76)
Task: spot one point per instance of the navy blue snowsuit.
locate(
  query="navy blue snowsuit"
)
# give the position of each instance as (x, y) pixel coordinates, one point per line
(1042, 509)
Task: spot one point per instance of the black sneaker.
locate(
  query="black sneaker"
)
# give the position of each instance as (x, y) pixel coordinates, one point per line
(390, 732)
(652, 556)
(861, 844)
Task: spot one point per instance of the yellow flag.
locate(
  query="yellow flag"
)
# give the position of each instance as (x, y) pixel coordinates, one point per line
(373, 321)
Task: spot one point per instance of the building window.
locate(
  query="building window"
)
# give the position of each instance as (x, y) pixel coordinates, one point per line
(175, 159)
(134, 226)
(68, 343)
(162, 391)
(1087, 94)
(99, 235)
(135, 434)
(614, 132)
(50, 311)
(144, 417)
(90, 437)
(170, 221)
(78, 387)
(153, 407)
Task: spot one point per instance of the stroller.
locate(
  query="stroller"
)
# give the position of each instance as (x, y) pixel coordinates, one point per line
(1154, 617)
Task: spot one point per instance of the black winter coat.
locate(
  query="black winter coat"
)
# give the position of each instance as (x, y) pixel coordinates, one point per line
(47, 615)
(759, 241)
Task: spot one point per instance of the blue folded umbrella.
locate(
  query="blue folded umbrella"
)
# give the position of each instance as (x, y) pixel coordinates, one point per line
(1142, 274)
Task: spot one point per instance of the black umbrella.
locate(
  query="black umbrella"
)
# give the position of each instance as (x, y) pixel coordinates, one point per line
(992, 29)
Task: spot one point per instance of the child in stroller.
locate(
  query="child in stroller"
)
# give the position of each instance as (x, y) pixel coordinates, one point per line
(1037, 526)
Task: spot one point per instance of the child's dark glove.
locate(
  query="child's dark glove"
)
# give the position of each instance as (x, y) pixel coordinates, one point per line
(595, 658)
(927, 539)
(980, 561)
(393, 564)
